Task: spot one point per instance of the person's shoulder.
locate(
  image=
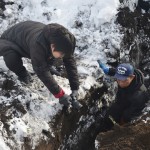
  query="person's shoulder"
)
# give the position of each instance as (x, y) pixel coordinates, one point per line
(141, 79)
(55, 27)
(139, 73)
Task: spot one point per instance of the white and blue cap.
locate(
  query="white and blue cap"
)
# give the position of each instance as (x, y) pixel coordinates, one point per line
(123, 71)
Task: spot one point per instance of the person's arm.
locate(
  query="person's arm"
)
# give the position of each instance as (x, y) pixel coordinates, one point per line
(107, 70)
(112, 71)
(41, 68)
(72, 73)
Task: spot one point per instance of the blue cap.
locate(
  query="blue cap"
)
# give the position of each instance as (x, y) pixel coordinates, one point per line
(123, 71)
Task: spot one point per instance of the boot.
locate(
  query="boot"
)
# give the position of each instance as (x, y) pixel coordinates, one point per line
(26, 78)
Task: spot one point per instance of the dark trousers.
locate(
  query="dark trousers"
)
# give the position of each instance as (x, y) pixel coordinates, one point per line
(14, 62)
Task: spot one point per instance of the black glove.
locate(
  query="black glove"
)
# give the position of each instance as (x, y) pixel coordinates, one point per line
(65, 100)
(74, 94)
(54, 71)
(75, 104)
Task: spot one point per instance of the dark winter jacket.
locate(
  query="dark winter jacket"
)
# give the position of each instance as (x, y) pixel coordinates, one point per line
(32, 40)
(131, 100)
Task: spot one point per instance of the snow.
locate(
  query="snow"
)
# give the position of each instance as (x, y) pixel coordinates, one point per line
(58, 11)
(3, 146)
(130, 4)
(98, 35)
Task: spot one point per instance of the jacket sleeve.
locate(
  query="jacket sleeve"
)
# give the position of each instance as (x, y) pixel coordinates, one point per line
(72, 73)
(40, 66)
(138, 102)
(111, 71)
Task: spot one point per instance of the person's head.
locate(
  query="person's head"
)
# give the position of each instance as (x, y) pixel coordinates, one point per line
(61, 41)
(56, 53)
(124, 75)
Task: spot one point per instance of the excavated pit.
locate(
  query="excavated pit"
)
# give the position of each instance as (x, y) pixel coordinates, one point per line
(73, 132)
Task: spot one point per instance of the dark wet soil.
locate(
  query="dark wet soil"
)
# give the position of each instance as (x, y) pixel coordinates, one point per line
(134, 137)
(131, 137)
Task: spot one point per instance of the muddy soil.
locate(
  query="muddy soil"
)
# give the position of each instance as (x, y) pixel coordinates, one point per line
(136, 29)
(134, 137)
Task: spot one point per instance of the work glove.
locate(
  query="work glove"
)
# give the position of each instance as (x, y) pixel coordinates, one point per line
(74, 94)
(54, 71)
(103, 67)
(65, 100)
(74, 102)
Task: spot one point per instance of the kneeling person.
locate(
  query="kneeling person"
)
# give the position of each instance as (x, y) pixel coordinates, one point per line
(41, 43)
(132, 94)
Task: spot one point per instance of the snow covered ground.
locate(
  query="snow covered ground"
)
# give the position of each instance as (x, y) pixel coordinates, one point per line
(97, 36)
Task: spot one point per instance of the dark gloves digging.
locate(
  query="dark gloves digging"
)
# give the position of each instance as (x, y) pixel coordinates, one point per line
(54, 71)
(71, 100)
(65, 100)
(74, 102)
(74, 94)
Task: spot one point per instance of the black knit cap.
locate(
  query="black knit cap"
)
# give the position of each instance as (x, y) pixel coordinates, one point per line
(61, 37)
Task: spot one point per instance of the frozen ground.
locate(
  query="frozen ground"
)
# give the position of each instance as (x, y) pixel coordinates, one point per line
(97, 36)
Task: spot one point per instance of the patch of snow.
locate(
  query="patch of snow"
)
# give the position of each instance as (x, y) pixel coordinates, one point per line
(3, 145)
(130, 4)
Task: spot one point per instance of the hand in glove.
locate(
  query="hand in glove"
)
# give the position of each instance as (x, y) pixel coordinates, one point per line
(74, 94)
(103, 67)
(54, 71)
(65, 100)
(74, 102)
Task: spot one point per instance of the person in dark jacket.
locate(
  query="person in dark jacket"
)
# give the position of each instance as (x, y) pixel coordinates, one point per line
(41, 43)
(131, 96)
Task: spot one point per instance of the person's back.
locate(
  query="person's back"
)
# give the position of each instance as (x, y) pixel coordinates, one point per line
(41, 43)
(23, 35)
